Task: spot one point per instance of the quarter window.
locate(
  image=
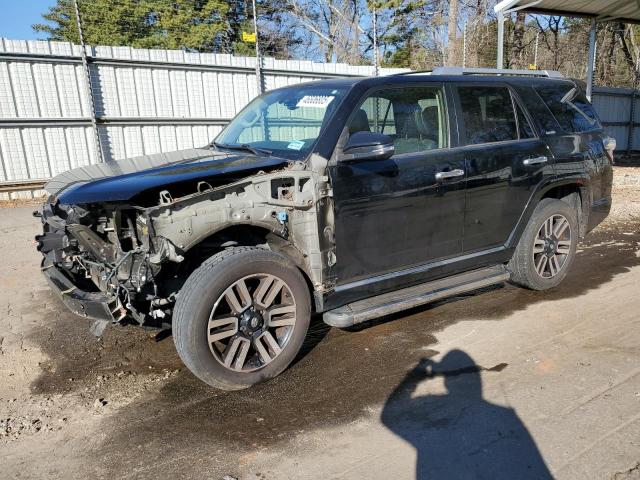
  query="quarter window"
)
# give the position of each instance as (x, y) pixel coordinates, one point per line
(570, 107)
(487, 114)
(414, 117)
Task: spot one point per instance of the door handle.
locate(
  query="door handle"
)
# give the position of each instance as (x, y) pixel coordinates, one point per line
(536, 160)
(440, 176)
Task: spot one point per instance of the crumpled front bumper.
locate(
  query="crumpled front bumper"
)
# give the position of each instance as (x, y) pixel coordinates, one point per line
(91, 305)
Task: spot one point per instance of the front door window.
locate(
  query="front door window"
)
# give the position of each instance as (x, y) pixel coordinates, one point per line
(414, 117)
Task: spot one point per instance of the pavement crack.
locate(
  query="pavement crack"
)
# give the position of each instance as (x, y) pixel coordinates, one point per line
(627, 473)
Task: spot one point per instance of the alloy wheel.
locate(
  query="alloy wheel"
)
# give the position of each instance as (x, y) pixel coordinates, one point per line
(251, 322)
(552, 246)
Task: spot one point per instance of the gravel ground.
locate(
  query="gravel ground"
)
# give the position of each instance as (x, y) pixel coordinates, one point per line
(565, 363)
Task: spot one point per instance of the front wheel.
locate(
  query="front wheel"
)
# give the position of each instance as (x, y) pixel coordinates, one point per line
(241, 317)
(547, 247)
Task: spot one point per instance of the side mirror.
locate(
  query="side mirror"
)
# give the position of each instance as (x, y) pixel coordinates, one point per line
(367, 146)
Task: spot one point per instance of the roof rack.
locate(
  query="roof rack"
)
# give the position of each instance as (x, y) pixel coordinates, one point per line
(414, 72)
(495, 71)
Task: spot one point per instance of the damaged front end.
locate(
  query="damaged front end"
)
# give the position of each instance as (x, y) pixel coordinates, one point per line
(97, 259)
(117, 262)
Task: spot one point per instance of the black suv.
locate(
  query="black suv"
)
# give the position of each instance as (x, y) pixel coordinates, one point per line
(352, 198)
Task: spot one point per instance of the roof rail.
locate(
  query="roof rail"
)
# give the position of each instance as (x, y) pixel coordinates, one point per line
(413, 72)
(495, 71)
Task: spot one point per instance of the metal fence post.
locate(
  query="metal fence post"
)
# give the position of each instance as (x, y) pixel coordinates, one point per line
(632, 115)
(258, 57)
(376, 60)
(592, 58)
(500, 60)
(85, 65)
(464, 45)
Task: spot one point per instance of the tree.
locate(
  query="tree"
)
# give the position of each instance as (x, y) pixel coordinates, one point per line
(278, 33)
(415, 36)
(189, 24)
(331, 25)
(106, 22)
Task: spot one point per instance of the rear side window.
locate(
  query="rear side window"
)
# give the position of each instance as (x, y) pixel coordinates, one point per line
(487, 114)
(539, 112)
(570, 107)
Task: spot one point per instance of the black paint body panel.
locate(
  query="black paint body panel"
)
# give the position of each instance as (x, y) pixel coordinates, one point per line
(396, 226)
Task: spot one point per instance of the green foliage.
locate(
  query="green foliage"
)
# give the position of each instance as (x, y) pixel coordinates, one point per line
(192, 24)
(202, 25)
(189, 24)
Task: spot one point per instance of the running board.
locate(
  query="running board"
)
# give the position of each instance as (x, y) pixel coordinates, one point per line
(397, 301)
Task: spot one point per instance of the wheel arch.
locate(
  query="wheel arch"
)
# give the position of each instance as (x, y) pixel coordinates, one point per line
(576, 194)
(574, 191)
(249, 235)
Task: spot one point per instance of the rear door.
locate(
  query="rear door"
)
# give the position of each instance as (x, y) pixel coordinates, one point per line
(505, 162)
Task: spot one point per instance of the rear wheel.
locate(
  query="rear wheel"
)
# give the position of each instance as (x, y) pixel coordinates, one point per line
(241, 317)
(547, 247)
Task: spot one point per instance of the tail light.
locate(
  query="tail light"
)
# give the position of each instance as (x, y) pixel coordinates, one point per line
(609, 146)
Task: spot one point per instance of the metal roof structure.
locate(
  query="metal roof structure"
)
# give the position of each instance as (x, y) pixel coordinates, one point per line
(626, 11)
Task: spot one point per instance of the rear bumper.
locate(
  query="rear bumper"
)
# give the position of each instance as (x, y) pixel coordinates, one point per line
(91, 305)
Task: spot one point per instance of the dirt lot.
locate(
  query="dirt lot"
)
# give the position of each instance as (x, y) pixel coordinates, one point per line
(505, 381)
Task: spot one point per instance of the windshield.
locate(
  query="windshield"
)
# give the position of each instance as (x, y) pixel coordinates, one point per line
(283, 122)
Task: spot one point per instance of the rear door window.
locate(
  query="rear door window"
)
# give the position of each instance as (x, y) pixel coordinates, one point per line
(524, 127)
(487, 114)
(570, 107)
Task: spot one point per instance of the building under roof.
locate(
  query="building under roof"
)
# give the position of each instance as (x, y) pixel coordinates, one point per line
(627, 11)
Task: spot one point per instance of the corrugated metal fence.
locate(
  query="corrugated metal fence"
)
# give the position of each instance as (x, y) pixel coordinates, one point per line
(618, 110)
(146, 101)
(150, 101)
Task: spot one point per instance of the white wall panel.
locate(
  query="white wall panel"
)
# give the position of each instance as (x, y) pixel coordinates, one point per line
(197, 108)
(41, 90)
(13, 154)
(151, 140)
(45, 82)
(57, 150)
(7, 97)
(35, 152)
(127, 92)
(77, 147)
(69, 94)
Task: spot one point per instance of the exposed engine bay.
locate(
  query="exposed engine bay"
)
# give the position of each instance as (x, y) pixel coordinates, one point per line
(133, 259)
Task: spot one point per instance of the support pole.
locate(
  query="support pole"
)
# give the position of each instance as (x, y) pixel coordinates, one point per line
(376, 59)
(258, 57)
(85, 65)
(500, 62)
(464, 46)
(592, 58)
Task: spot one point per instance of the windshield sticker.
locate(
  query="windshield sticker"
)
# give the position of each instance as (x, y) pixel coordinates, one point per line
(315, 101)
(295, 145)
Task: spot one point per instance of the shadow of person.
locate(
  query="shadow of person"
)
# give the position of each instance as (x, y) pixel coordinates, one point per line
(460, 435)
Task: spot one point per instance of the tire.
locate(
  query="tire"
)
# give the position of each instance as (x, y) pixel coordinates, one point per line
(528, 268)
(217, 286)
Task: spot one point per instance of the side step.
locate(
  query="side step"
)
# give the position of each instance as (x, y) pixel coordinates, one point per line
(397, 301)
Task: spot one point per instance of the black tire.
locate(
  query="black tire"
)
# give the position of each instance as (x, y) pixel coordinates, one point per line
(196, 301)
(522, 265)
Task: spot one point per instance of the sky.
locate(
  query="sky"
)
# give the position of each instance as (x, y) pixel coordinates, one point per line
(18, 16)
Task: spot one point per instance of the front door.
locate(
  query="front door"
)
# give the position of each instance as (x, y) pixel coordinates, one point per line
(393, 214)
